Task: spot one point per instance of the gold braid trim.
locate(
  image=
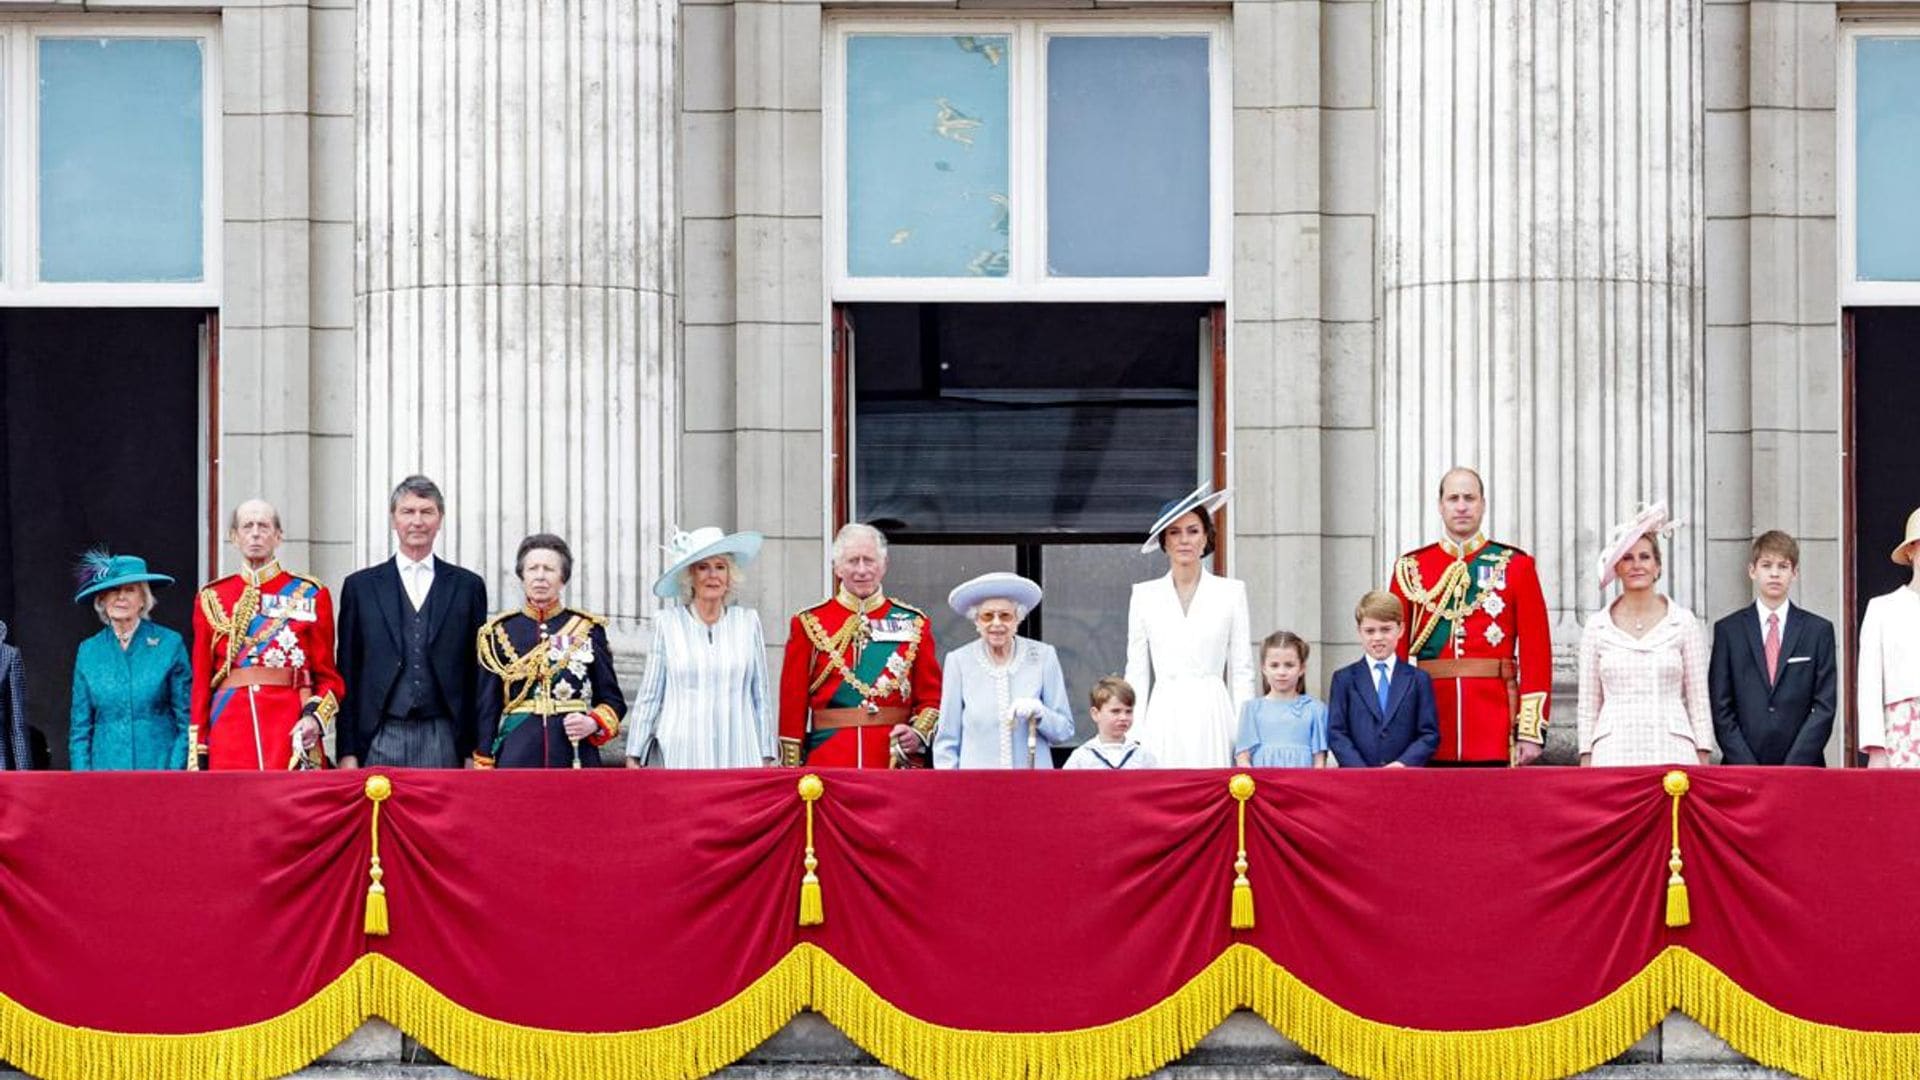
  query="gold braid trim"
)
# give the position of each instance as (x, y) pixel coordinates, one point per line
(833, 645)
(1447, 600)
(532, 669)
(853, 631)
(231, 627)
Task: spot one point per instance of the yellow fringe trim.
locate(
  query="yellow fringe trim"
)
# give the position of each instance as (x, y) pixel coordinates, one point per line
(1782, 1041)
(1241, 977)
(41, 1047)
(689, 1048)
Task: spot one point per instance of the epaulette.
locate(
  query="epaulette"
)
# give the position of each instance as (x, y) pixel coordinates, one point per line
(907, 607)
(815, 606)
(488, 626)
(597, 620)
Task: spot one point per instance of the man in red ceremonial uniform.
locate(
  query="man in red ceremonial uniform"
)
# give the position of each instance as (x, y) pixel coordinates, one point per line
(860, 686)
(264, 686)
(1477, 624)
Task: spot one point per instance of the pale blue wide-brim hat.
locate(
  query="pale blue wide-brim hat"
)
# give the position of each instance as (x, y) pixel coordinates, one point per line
(1203, 498)
(685, 549)
(998, 585)
(99, 571)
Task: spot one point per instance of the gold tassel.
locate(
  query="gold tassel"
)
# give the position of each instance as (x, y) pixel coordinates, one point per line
(1679, 909)
(378, 788)
(812, 911)
(1241, 788)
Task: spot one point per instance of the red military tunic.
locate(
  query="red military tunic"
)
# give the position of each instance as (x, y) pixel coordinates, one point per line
(1478, 602)
(845, 658)
(262, 655)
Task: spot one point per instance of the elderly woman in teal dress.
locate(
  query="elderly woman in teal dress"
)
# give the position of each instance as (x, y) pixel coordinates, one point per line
(131, 681)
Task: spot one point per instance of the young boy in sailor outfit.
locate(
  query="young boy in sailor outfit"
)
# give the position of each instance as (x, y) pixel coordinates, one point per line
(1112, 701)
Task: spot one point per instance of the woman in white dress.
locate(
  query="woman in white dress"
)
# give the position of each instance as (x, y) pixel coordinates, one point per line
(703, 701)
(1888, 700)
(1643, 662)
(1189, 647)
(1003, 698)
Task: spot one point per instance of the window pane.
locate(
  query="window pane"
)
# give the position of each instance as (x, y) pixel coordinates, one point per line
(120, 159)
(1887, 159)
(923, 575)
(1127, 156)
(1084, 615)
(1024, 418)
(927, 156)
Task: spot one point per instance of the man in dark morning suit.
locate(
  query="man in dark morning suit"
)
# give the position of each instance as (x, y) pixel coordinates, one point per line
(1380, 708)
(1772, 675)
(407, 628)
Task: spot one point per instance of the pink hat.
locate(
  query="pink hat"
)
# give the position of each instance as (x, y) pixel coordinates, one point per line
(1650, 520)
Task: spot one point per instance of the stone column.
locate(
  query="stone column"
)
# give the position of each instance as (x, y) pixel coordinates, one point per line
(515, 302)
(1541, 242)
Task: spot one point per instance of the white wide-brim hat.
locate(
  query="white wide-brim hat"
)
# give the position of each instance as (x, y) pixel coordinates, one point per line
(685, 549)
(1204, 499)
(1650, 519)
(1904, 553)
(998, 585)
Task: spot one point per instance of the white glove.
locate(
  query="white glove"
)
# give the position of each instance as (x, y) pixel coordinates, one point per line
(1027, 708)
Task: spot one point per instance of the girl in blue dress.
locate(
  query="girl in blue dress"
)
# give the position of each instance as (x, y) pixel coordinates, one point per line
(1286, 728)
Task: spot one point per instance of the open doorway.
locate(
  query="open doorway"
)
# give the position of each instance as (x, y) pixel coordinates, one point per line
(101, 415)
(1037, 438)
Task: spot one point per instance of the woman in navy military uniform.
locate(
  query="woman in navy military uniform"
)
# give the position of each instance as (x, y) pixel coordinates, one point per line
(547, 698)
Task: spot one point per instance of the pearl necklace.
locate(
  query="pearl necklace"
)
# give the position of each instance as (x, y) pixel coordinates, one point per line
(1001, 674)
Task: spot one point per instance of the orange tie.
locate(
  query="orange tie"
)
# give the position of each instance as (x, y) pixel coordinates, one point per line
(1773, 647)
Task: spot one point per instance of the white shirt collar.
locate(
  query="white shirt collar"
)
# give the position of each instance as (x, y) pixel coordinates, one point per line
(1762, 611)
(404, 564)
(1373, 671)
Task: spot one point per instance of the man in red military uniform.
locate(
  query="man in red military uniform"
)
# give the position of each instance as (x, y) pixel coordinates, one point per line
(1477, 624)
(860, 686)
(264, 686)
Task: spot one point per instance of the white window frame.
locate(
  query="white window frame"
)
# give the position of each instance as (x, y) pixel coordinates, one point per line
(19, 179)
(1853, 291)
(1027, 278)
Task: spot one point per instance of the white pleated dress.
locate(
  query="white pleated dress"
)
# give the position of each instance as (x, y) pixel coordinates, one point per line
(704, 697)
(1190, 670)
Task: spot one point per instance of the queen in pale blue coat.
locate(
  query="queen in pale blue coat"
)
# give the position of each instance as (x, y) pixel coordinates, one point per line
(132, 680)
(1003, 700)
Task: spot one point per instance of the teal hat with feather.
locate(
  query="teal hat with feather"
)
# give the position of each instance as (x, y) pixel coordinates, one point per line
(99, 571)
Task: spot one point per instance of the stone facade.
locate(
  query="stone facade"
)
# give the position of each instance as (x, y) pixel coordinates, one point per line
(739, 429)
(428, 208)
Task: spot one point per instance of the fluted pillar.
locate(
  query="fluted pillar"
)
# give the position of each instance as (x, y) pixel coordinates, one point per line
(515, 306)
(1541, 242)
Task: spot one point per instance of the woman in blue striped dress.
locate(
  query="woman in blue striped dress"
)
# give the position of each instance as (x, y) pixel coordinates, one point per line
(704, 701)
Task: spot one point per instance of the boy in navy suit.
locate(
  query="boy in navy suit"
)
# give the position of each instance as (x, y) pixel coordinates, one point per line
(1772, 675)
(1379, 708)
